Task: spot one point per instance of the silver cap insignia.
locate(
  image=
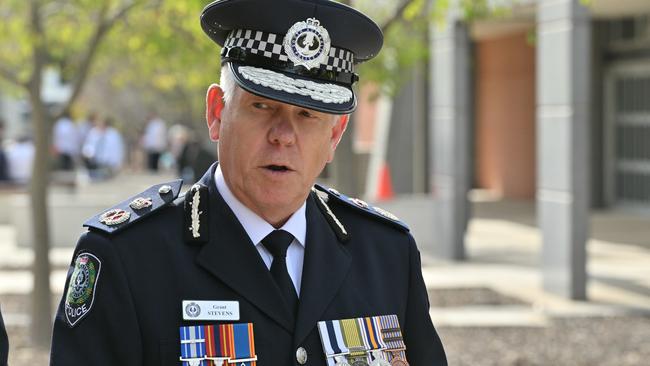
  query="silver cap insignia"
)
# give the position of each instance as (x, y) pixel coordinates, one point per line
(307, 44)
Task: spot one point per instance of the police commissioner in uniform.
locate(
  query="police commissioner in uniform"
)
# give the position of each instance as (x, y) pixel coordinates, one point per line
(254, 264)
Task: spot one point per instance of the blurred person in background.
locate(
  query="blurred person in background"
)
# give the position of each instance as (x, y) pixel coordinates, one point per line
(193, 158)
(85, 125)
(154, 141)
(4, 167)
(103, 151)
(65, 142)
(20, 157)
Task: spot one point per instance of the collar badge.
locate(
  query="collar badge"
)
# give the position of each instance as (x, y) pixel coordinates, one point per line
(307, 43)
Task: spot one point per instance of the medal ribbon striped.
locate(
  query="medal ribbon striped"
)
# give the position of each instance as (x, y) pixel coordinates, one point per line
(244, 344)
(370, 332)
(353, 339)
(213, 346)
(192, 346)
(227, 341)
(331, 337)
(392, 336)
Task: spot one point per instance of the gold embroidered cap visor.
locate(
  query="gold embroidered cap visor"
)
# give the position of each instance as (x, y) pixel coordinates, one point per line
(300, 52)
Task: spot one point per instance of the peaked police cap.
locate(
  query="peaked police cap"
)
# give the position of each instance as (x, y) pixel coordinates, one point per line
(301, 52)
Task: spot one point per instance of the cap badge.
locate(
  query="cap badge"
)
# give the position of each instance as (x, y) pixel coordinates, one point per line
(307, 43)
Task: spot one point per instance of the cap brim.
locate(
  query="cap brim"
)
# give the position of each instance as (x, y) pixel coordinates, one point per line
(294, 89)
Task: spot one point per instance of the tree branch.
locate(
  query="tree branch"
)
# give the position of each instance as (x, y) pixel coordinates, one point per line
(396, 16)
(11, 77)
(105, 23)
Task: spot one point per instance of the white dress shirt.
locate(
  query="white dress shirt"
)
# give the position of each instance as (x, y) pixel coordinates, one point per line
(257, 229)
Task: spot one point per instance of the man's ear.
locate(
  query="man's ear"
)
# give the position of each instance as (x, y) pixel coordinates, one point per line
(213, 108)
(337, 133)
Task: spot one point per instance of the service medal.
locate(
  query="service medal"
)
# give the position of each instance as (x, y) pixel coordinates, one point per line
(398, 361)
(114, 217)
(378, 360)
(341, 361)
(359, 363)
(307, 44)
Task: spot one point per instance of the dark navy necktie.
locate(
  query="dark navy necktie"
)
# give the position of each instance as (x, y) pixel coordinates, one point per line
(277, 242)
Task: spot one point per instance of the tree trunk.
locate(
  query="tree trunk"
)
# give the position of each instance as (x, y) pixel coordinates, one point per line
(41, 326)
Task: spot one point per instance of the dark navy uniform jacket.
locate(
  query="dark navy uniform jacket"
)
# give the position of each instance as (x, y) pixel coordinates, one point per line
(148, 269)
(4, 343)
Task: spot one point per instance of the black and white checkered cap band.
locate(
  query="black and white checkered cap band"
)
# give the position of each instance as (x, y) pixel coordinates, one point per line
(271, 45)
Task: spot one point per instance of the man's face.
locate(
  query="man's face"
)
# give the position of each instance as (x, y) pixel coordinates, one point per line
(270, 152)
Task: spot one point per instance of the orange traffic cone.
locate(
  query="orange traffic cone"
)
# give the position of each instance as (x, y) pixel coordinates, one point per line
(385, 186)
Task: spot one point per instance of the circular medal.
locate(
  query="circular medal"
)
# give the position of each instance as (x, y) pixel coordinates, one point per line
(114, 217)
(140, 203)
(378, 359)
(359, 363)
(341, 361)
(307, 44)
(398, 361)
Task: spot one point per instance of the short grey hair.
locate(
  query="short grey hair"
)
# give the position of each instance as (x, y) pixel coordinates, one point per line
(227, 83)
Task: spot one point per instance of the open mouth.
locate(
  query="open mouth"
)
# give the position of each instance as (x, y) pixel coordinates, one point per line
(277, 168)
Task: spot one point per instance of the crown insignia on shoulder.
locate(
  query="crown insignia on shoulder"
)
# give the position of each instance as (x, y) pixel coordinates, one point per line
(360, 205)
(126, 213)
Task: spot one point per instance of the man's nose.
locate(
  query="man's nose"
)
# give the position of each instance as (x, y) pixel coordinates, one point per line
(282, 131)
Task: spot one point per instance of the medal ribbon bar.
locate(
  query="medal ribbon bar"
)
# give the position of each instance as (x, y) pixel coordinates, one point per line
(218, 345)
(354, 341)
(392, 336)
(331, 336)
(192, 346)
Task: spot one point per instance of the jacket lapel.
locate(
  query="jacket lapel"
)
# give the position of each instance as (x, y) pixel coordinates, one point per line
(325, 267)
(230, 256)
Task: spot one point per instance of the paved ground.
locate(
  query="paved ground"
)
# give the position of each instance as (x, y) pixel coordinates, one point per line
(489, 310)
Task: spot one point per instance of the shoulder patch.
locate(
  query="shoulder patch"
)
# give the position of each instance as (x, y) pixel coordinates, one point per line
(361, 206)
(80, 295)
(135, 208)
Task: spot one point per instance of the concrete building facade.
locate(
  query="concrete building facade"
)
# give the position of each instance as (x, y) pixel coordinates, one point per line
(550, 103)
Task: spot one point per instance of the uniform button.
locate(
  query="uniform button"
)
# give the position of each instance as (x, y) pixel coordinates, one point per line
(301, 355)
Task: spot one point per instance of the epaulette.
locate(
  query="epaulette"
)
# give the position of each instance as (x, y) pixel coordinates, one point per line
(135, 208)
(361, 206)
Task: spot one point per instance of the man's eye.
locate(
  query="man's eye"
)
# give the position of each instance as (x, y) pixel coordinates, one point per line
(307, 114)
(259, 105)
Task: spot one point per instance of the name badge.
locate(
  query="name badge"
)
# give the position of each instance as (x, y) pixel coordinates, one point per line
(210, 310)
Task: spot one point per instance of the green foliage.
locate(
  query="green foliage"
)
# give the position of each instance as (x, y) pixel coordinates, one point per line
(160, 49)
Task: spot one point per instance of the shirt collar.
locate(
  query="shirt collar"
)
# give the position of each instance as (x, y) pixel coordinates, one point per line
(255, 226)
